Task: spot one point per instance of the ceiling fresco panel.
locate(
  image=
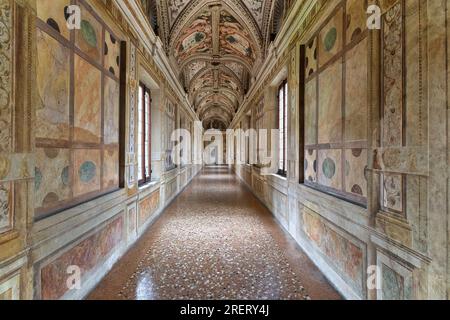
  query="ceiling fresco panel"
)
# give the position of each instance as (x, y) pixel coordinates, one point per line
(237, 68)
(256, 8)
(229, 82)
(206, 80)
(234, 39)
(175, 7)
(194, 68)
(197, 38)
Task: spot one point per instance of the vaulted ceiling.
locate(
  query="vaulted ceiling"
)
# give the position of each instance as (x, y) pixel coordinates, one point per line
(216, 47)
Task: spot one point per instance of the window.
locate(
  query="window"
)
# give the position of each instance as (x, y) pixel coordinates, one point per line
(144, 135)
(282, 126)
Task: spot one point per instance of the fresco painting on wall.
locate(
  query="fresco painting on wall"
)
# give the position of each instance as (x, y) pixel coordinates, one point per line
(78, 136)
(393, 77)
(87, 171)
(111, 112)
(311, 113)
(331, 38)
(355, 171)
(392, 284)
(87, 113)
(52, 177)
(311, 165)
(356, 20)
(397, 280)
(87, 254)
(5, 205)
(147, 207)
(89, 38)
(392, 192)
(7, 81)
(311, 57)
(356, 108)
(52, 12)
(335, 105)
(112, 54)
(330, 105)
(110, 168)
(343, 254)
(393, 110)
(52, 109)
(330, 168)
(132, 221)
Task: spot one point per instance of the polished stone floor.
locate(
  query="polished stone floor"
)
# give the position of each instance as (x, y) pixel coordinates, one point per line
(215, 241)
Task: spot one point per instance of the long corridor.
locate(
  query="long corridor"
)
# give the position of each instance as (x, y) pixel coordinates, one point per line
(215, 241)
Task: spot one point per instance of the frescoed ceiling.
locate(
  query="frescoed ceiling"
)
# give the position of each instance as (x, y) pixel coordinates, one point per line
(216, 46)
(175, 7)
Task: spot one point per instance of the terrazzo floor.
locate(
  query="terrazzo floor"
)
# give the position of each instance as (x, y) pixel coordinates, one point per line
(215, 241)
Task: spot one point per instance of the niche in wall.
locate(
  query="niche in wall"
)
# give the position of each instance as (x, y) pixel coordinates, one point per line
(78, 107)
(335, 107)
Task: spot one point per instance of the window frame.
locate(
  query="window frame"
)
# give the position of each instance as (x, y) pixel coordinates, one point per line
(283, 87)
(145, 177)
